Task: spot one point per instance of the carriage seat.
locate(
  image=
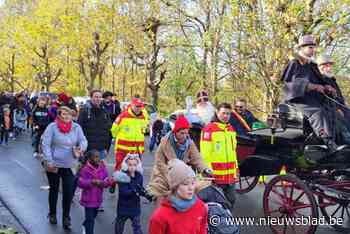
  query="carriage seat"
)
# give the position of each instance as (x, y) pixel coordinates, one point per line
(290, 116)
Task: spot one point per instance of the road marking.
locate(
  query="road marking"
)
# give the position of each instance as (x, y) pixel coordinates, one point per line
(23, 166)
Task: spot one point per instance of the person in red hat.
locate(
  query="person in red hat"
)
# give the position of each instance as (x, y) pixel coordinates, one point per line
(128, 130)
(176, 144)
(65, 100)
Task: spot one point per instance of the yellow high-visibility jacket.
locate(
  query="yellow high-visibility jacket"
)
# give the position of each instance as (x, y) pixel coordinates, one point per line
(218, 147)
(129, 132)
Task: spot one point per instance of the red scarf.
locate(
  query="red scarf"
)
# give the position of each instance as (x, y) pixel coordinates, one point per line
(63, 127)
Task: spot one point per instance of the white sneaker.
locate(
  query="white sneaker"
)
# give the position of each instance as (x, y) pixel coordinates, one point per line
(84, 232)
(35, 155)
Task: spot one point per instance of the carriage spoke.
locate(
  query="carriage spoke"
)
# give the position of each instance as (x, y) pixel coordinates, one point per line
(298, 214)
(302, 207)
(300, 196)
(336, 211)
(342, 212)
(297, 201)
(277, 193)
(247, 181)
(347, 211)
(276, 202)
(291, 193)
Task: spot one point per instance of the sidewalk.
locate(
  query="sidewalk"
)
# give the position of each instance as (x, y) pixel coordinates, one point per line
(8, 221)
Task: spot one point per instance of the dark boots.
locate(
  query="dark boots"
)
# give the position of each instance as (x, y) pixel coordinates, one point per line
(52, 219)
(66, 223)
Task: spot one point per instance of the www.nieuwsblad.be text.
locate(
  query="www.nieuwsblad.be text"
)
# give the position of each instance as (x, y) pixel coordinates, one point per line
(271, 221)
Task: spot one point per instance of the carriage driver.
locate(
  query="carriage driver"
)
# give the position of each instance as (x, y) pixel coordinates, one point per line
(325, 64)
(305, 88)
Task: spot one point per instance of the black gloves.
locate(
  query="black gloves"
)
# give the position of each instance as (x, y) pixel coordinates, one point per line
(142, 192)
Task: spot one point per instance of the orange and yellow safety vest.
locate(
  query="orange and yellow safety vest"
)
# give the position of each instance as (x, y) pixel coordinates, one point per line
(129, 132)
(218, 147)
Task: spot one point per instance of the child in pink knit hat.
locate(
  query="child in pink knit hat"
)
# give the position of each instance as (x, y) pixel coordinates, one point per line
(182, 212)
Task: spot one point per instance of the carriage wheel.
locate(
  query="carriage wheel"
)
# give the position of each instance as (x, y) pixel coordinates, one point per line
(287, 200)
(246, 184)
(337, 207)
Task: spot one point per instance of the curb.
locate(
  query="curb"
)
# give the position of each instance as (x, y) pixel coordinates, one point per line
(16, 219)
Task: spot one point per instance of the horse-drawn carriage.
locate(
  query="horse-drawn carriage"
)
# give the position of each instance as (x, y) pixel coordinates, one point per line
(315, 179)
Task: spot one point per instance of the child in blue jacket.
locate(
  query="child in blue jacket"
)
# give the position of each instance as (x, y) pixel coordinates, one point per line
(130, 186)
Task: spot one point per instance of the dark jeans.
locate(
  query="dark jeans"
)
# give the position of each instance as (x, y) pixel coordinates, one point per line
(5, 135)
(230, 193)
(152, 142)
(89, 222)
(37, 136)
(120, 222)
(67, 177)
(155, 140)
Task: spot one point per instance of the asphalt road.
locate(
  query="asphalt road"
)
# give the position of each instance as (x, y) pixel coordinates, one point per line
(22, 178)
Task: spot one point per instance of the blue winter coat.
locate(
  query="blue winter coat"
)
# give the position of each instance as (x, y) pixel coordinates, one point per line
(129, 203)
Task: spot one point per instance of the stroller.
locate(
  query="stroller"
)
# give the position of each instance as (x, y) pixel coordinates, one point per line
(19, 121)
(219, 214)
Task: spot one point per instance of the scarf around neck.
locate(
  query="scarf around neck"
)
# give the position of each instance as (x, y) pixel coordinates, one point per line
(182, 205)
(308, 59)
(63, 127)
(179, 149)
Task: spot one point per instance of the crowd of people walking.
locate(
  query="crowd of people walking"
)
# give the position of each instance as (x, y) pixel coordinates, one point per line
(74, 141)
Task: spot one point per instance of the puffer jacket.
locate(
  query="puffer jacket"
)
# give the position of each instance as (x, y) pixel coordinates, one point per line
(92, 195)
(166, 220)
(158, 184)
(96, 125)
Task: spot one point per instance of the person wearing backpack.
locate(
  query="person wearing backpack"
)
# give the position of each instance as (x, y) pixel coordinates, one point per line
(96, 124)
(41, 120)
(182, 212)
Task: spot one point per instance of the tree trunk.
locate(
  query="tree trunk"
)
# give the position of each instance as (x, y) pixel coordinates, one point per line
(205, 84)
(155, 96)
(12, 85)
(204, 68)
(47, 87)
(91, 84)
(100, 82)
(145, 88)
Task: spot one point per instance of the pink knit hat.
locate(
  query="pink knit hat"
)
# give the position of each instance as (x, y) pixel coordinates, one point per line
(178, 172)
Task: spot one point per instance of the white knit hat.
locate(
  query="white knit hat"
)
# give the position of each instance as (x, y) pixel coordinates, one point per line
(124, 165)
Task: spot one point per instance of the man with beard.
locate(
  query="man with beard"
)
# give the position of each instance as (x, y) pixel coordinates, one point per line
(205, 109)
(325, 64)
(305, 88)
